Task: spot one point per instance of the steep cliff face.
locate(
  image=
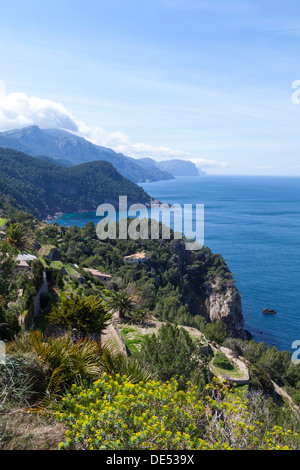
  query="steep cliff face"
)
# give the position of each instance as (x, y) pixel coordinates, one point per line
(210, 290)
(224, 303)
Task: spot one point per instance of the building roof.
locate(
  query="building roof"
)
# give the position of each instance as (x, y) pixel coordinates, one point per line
(141, 255)
(26, 257)
(23, 264)
(95, 272)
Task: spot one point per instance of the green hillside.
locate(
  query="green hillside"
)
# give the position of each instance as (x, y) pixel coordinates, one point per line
(68, 149)
(42, 188)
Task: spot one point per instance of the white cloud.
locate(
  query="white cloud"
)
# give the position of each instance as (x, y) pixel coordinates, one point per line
(203, 163)
(120, 142)
(18, 110)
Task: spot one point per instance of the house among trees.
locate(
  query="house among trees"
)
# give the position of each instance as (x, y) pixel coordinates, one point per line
(98, 274)
(136, 258)
(22, 266)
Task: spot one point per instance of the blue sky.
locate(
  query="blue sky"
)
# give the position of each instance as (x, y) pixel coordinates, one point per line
(209, 81)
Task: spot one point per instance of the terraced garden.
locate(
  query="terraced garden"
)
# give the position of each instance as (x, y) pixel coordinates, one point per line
(133, 335)
(226, 367)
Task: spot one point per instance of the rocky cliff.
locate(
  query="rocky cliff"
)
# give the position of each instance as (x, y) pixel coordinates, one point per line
(211, 291)
(225, 304)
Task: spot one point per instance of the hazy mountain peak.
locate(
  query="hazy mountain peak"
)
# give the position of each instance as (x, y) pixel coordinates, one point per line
(174, 166)
(62, 145)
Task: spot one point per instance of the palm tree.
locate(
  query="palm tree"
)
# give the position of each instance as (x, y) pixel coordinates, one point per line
(121, 303)
(16, 235)
(139, 316)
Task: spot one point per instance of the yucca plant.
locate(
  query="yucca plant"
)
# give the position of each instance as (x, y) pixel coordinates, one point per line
(63, 361)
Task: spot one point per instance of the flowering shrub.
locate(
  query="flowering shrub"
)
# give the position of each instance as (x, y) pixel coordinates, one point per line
(115, 414)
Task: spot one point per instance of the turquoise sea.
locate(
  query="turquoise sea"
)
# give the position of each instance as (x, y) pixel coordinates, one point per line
(254, 222)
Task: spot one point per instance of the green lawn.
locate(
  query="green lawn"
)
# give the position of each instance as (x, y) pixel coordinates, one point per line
(134, 335)
(2, 222)
(234, 373)
(221, 365)
(132, 338)
(72, 271)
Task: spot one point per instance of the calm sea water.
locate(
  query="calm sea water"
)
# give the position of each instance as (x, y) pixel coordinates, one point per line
(254, 222)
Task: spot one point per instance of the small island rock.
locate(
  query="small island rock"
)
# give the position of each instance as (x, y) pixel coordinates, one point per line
(269, 311)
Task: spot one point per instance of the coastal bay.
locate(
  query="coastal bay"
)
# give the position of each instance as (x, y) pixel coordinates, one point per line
(254, 223)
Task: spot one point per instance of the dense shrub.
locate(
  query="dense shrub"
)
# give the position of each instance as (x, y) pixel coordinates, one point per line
(234, 345)
(115, 414)
(7, 266)
(216, 331)
(173, 353)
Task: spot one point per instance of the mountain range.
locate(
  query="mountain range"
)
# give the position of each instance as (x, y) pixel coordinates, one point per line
(66, 149)
(176, 167)
(43, 188)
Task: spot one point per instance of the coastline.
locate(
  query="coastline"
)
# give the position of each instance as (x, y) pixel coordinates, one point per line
(154, 203)
(246, 230)
(254, 222)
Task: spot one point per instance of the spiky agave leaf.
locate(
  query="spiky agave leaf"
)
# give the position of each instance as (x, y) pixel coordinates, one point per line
(64, 362)
(114, 362)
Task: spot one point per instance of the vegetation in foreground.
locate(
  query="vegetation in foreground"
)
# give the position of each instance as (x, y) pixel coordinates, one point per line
(115, 414)
(56, 364)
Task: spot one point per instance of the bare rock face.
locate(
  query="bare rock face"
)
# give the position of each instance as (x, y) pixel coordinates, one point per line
(224, 303)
